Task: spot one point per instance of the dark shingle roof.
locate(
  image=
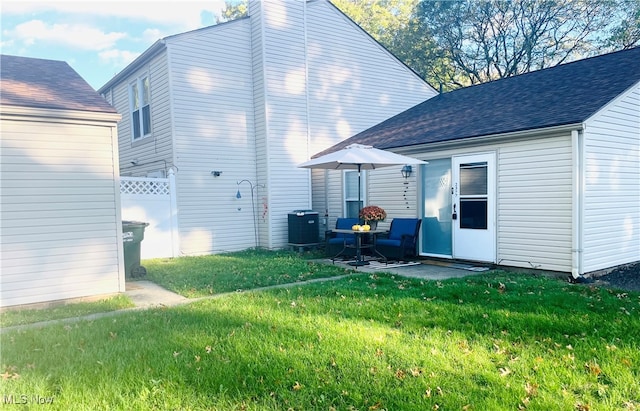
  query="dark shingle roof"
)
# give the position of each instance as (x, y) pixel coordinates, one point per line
(50, 84)
(561, 95)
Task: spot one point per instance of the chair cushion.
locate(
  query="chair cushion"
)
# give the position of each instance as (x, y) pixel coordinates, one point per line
(402, 226)
(388, 242)
(345, 224)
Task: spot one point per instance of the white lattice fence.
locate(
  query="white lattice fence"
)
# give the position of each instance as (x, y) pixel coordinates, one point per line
(144, 186)
(152, 200)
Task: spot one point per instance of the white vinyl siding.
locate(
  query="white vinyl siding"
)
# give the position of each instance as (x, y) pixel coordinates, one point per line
(279, 49)
(354, 82)
(611, 216)
(238, 98)
(212, 94)
(534, 179)
(349, 71)
(154, 152)
(389, 190)
(534, 204)
(60, 212)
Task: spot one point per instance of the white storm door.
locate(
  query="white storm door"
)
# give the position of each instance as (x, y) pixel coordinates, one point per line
(474, 208)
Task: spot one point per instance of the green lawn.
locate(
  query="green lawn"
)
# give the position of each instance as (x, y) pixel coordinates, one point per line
(215, 274)
(28, 316)
(368, 342)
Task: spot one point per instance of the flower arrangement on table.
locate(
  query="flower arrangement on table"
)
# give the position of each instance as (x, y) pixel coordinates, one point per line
(373, 214)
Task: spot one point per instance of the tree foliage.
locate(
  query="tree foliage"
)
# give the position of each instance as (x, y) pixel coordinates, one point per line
(454, 43)
(627, 34)
(491, 39)
(234, 9)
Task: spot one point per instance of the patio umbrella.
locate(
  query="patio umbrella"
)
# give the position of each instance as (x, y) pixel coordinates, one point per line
(359, 157)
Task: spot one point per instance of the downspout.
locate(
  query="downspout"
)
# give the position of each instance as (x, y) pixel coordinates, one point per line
(306, 94)
(576, 205)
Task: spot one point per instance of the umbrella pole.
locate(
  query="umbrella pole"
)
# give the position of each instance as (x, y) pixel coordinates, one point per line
(359, 190)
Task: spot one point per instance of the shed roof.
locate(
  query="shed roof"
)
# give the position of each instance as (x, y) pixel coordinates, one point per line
(561, 95)
(49, 84)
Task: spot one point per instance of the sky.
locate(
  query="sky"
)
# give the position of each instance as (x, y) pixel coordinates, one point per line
(97, 38)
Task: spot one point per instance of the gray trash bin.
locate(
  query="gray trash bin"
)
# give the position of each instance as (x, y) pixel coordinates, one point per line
(132, 236)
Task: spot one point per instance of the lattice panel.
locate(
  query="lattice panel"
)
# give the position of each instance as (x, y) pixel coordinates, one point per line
(144, 187)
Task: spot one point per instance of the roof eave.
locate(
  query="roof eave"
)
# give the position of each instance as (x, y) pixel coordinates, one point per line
(53, 115)
(485, 139)
(142, 59)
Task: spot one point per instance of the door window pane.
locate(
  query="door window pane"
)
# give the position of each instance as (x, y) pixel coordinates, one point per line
(437, 203)
(473, 213)
(473, 179)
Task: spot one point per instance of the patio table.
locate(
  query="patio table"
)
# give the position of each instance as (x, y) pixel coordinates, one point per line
(360, 261)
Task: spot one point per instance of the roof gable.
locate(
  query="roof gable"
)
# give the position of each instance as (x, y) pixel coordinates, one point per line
(48, 84)
(561, 95)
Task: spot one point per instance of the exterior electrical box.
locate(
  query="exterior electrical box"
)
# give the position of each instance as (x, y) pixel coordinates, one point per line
(303, 227)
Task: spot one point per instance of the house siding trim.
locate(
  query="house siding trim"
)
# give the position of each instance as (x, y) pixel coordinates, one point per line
(57, 116)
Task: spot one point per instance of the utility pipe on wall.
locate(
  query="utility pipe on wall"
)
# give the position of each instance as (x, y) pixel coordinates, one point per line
(576, 204)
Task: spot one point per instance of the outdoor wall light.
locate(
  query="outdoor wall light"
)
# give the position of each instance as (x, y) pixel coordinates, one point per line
(238, 196)
(406, 171)
(216, 173)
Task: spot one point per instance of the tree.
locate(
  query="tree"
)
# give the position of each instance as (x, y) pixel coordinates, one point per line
(627, 34)
(393, 24)
(490, 39)
(234, 9)
(454, 43)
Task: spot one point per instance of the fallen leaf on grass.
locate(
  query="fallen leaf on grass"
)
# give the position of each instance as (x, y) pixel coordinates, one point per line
(504, 371)
(531, 389)
(593, 368)
(297, 386)
(416, 372)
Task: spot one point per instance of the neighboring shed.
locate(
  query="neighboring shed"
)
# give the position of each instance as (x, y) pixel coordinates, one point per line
(540, 170)
(250, 99)
(60, 206)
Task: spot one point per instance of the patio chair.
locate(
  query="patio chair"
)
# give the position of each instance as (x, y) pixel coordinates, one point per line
(341, 244)
(401, 241)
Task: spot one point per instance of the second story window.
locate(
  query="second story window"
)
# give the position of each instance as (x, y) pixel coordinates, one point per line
(140, 107)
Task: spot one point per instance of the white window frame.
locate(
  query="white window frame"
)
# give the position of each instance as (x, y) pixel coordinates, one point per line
(144, 128)
(363, 191)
